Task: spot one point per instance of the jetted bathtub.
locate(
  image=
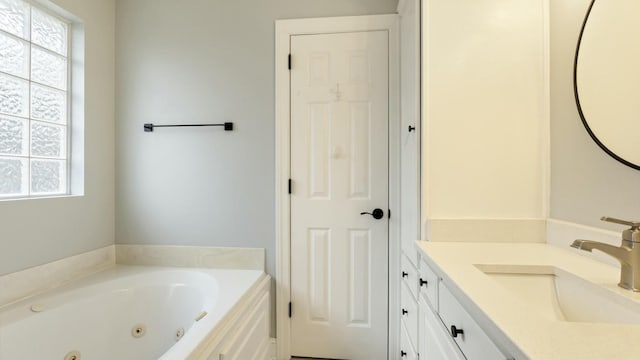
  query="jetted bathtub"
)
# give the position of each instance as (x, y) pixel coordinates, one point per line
(143, 313)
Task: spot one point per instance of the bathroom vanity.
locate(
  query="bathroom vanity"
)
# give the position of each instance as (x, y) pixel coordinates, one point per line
(488, 301)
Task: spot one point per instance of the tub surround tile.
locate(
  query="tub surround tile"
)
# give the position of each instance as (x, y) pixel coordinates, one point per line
(21, 284)
(191, 256)
(28, 282)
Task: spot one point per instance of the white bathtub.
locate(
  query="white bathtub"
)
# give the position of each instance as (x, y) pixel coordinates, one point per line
(130, 313)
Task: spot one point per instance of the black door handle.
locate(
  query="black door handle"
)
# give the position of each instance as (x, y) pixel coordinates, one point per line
(376, 213)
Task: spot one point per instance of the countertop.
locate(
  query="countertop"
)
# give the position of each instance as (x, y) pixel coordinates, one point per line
(518, 330)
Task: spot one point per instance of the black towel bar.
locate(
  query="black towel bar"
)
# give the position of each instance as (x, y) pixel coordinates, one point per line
(228, 126)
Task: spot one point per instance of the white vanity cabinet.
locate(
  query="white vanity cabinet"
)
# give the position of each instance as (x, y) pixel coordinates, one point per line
(435, 342)
(466, 333)
(428, 283)
(446, 331)
(408, 311)
(409, 220)
(407, 351)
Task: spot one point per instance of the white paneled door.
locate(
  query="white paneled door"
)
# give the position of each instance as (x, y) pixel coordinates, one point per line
(339, 169)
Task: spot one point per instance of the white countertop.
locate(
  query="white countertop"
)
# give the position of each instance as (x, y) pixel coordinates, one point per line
(508, 321)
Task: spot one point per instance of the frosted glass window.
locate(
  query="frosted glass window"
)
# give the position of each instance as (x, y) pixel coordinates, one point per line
(14, 136)
(48, 177)
(14, 56)
(48, 32)
(14, 17)
(47, 140)
(14, 96)
(48, 104)
(13, 181)
(34, 101)
(48, 68)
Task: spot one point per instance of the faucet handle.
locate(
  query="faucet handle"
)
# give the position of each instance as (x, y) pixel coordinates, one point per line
(634, 224)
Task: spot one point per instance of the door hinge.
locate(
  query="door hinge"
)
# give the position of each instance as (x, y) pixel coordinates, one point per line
(289, 62)
(389, 213)
(290, 311)
(289, 186)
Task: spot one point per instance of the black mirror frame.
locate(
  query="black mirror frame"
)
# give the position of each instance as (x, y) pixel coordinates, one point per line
(577, 97)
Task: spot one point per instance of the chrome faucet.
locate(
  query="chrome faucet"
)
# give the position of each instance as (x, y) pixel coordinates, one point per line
(628, 253)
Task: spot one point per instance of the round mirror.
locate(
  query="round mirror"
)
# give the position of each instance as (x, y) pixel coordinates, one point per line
(607, 77)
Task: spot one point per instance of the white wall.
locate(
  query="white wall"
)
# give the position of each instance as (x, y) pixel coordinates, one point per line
(34, 232)
(585, 182)
(202, 61)
(484, 110)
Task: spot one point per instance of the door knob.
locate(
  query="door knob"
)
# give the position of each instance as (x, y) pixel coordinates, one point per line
(376, 213)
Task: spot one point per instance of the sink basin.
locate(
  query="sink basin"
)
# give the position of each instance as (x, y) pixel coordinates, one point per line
(562, 296)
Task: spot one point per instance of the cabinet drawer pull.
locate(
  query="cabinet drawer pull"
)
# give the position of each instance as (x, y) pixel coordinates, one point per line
(423, 282)
(405, 274)
(455, 331)
(404, 312)
(402, 353)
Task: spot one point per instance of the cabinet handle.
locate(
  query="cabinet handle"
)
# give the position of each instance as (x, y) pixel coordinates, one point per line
(404, 312)
(404, 274)
(402, 353)
(455, 331)
(423, 282)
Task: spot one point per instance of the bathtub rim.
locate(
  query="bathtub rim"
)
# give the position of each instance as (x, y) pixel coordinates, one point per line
(216, 325)
(223, 328)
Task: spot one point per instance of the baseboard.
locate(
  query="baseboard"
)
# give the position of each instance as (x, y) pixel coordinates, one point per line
(486, 230)
(272, 349)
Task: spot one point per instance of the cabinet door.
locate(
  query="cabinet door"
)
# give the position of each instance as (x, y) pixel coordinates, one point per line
(409, 313)
(407, 351)
(409, 275)
(410, 117)
(428, 282)
(472, 340)
(435, 342)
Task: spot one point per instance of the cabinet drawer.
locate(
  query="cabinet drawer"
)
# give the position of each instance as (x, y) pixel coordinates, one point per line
(473, 342)
(428, 283)
(409, 275)
(409, 314)
(407, 352)
(435, 341)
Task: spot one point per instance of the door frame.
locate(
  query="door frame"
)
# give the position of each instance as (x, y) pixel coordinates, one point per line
(284, 29)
